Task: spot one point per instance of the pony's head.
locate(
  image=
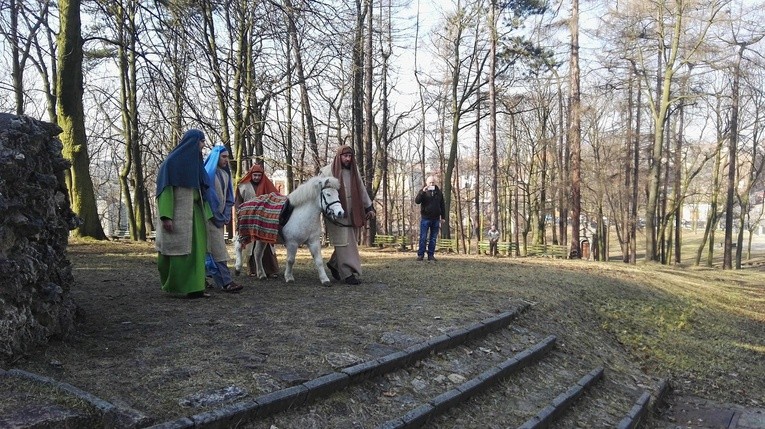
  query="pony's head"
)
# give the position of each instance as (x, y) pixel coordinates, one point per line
(330, 198)
(323, 189)
(330, 182)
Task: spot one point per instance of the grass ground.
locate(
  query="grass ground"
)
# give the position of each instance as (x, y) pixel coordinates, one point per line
(136, 346)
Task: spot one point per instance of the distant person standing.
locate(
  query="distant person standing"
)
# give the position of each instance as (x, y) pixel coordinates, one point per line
(182, 209)
(432, 212)
(493, 236)
(253, 184)
(221, 197)
(345, 263)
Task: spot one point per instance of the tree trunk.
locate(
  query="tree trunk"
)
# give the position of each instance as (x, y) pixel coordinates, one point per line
(563, 171)
(574, 133)
(626, 214)
(357, 97)
(458, 212)
(367, 164)
(660, 109)
(711, 220)
(542, 201)
(493, 114)
(732, 167)
(635, 172)
(421, 94)
(476, 219)
(17, 71)
(663, 217)
(385, 52)
(451, 160)
(678, 208)
(71, 119)
(125, 20)
(289, 148)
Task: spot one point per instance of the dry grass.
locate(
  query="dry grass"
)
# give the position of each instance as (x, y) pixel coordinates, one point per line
(138, 347)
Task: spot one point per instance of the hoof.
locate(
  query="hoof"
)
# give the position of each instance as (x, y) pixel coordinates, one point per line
(237, 272)
(290, 280)
(262, 277)
(326, 283)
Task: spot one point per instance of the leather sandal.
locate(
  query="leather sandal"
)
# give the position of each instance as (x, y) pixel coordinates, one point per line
(232, 287)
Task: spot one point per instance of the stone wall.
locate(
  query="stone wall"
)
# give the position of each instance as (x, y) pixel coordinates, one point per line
(35, 220)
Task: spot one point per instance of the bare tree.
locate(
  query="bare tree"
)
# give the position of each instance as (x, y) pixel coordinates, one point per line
(305, 101)
(465, 77)
(675, 51)
(741, 40)
(22, 43)
(26, 29)
(123, 17)
(574, 131)
(493, 36)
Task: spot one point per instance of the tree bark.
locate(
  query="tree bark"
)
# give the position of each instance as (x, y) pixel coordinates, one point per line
(732, 168)
(357, 96)
(367, 164)
(574, 133)
(71, 119)
(17, 70)
(493, 113)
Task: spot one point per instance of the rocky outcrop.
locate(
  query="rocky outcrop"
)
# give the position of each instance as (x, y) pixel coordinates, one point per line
(35, 220)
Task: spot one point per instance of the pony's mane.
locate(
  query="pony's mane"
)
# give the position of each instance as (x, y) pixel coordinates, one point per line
(310, 189)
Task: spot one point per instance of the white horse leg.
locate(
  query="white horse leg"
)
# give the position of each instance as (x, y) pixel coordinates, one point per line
(238, 251)
(247, 251)
(260, 247)
(315, 247)
(291, 252)
(242, 254)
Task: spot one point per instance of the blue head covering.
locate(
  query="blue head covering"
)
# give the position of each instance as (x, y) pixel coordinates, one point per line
(183, 166)
(221, 209)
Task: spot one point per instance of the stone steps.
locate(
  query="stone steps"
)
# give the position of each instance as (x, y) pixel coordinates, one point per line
(459, 386)
(460, 378)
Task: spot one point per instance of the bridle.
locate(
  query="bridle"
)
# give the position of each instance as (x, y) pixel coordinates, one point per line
(327, 205)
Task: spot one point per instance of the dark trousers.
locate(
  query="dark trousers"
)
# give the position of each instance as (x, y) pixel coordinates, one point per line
(493, 247)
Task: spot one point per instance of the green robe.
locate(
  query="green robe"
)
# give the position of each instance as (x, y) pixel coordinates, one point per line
(184, 274)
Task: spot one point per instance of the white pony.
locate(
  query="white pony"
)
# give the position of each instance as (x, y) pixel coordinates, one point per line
(316, 196)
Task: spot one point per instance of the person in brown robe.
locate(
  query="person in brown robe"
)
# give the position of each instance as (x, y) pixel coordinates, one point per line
(255, 183)
(345, 263)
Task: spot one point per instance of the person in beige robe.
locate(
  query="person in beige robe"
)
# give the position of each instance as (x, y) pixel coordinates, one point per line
(345, 263)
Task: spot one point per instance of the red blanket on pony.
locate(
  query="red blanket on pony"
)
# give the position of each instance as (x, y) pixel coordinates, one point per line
(258, 219)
